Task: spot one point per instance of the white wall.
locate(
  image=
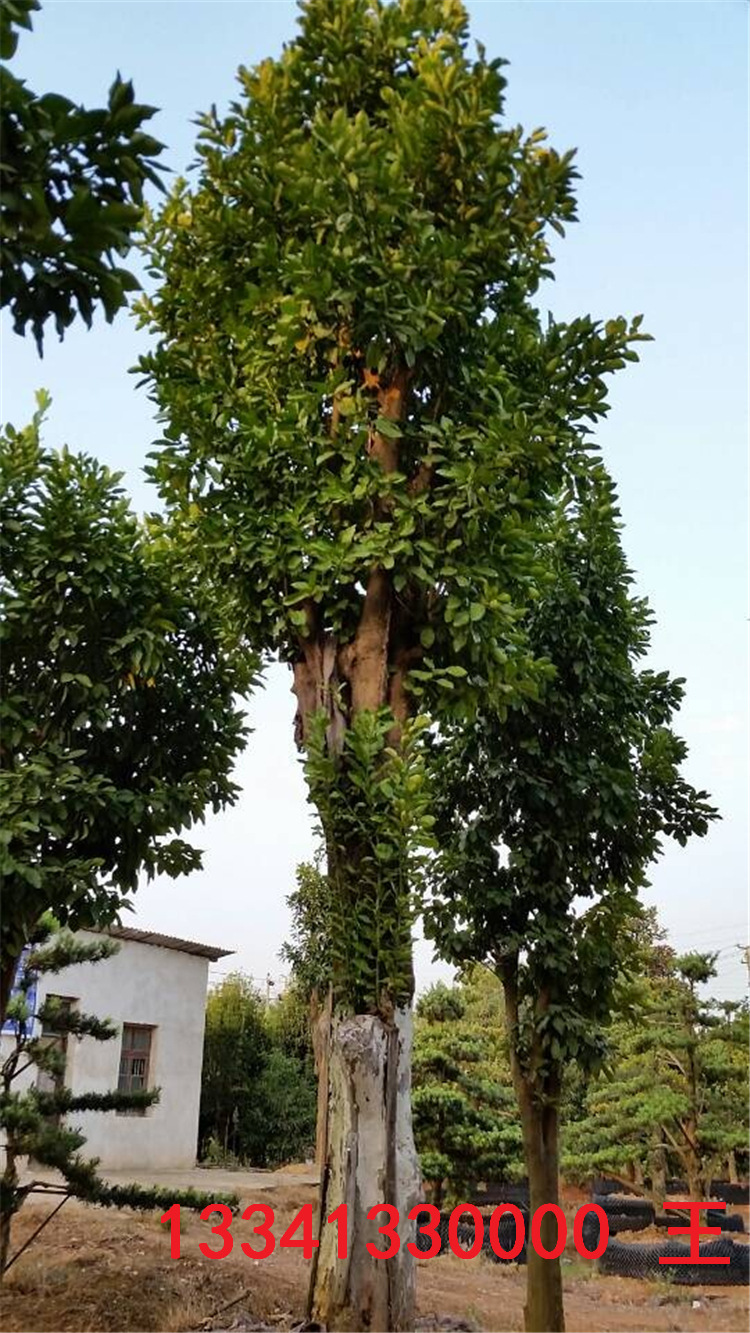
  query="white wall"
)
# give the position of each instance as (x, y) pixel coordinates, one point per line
(143, 983)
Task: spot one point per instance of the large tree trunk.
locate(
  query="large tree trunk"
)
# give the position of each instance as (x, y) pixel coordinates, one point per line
(370, 1159)
(543, 1312)
(365, 1143)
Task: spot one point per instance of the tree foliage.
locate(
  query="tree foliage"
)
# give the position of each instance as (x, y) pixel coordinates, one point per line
(258, 1084)
(36, 1120)
(72, 182)
(673, 1099)
(465, 1119)
(119, 722)
(364, 413)
(547, 821)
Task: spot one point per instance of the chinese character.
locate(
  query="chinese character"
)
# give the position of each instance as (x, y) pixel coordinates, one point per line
(694, 1231)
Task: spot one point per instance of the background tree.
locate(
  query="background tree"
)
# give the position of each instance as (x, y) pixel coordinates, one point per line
(35, 1121)
(119, 725)
(674, 1098)
(465, 1118)
(547, 822)
(258, 1084)
(72, 184)
(235, 1048)
(365, 417)
(308, 950)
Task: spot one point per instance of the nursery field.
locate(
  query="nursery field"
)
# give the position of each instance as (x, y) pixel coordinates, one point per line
(111, 1272)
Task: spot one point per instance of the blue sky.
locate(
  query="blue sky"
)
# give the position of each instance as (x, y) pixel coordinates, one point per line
(654, 97)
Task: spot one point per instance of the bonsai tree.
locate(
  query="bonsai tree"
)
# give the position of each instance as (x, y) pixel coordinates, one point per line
(674, 1099)
(35, 1119)
(465, 1120)
(117, 696)
(365, 421)
(547, 822)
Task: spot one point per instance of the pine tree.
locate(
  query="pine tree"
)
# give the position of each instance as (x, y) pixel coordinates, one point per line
(465, 1120)
(674, 1097)
(36, 1121)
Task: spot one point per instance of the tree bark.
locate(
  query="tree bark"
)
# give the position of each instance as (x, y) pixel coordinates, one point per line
(538, 1095)
(370, 1159)
(732, 1167)
(7, 977)
(543, 1312)
(9, 1187)
(321, 1035)
(658, 1176)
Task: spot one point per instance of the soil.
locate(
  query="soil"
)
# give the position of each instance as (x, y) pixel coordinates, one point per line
(111, 1272)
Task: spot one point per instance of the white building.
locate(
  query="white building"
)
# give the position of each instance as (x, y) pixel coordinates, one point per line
(154, 990)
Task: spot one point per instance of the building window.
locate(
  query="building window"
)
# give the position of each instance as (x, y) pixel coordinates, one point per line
(135, 1057)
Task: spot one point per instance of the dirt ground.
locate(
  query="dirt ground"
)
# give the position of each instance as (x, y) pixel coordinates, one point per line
(111, 1272)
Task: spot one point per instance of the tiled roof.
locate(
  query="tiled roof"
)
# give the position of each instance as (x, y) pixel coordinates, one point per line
(165, 941)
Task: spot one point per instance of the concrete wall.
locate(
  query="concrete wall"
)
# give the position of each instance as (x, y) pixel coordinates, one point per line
(163, 988)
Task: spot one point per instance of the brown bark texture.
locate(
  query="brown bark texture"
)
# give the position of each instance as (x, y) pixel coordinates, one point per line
(364, 1146)
(369, 1159)
(538, 1096)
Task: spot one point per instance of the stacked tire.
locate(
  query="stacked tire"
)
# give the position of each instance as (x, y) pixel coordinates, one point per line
(465, 1236)
(642, 1260)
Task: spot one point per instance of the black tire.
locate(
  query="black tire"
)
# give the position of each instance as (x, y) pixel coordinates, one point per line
(736, 1194)
(642, 1261)
(501, 1191)
(616, 1205)
(714, 1217)
(605, 1185)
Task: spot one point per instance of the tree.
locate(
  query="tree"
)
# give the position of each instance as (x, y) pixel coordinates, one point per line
(547, 822)
(258, 1083)
(365, 418)
(308, 951)
(72, 183)
(676, 1091)
(235, 1049)
(117, 696)
(35, 1120)
(464, 1115)
(284, 1111)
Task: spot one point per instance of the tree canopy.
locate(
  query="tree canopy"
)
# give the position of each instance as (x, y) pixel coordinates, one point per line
(547, 821)
(366, 426)
(119, 721)
(465, 1121)
(673, 1098)
(72, 181)
(258, 1082)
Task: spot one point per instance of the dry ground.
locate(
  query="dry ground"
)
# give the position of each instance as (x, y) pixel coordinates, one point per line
(111, 1272)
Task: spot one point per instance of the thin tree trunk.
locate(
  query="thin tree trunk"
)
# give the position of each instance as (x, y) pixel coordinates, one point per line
(538, 1100)
(9, 1185)
(543, 1312)
(7, 977)
(370, 1159)
(658, 1176)
(321, 1035)
(732, 1168)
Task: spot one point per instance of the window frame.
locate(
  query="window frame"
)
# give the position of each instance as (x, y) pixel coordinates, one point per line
(129, 1053)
